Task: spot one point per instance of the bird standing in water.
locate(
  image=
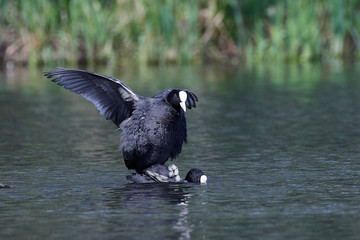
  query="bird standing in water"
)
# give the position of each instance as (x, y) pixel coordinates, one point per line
(153, 130)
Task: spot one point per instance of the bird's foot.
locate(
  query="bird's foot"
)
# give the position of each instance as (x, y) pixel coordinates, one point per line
(174, 172)
(162, 173)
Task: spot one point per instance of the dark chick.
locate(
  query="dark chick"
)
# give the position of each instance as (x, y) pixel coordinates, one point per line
(153, 129)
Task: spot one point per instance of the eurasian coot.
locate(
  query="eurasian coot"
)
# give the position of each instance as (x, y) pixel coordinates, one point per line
(153, 129)
(161, 173)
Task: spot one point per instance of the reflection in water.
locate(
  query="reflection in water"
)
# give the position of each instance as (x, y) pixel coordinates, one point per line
(147, 194)
(183, 225)
(148, 199)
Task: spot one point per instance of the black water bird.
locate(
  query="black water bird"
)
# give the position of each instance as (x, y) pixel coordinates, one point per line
(153, 130)
(162, 173)
(156, 173)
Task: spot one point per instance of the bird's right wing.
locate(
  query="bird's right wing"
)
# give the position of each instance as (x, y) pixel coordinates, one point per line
(111, 97)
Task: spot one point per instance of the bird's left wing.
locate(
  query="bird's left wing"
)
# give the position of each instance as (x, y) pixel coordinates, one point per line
(111, 97)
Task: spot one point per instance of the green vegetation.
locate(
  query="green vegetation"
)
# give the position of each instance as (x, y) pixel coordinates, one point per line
(162, 31)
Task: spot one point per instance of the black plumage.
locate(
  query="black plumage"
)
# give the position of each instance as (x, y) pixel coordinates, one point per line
(153, 129)
(162, 173)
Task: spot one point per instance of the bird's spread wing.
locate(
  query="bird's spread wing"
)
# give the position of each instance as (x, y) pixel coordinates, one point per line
(111, 97)
(191, 97)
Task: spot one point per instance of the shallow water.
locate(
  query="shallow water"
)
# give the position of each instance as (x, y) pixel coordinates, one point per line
(280, 146)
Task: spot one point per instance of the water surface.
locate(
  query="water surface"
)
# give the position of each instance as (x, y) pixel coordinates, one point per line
(280, 145)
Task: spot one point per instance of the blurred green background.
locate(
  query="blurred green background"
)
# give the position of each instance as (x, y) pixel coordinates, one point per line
(168, 31)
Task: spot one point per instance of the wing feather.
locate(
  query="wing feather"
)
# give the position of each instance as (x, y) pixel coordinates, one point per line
(111, 97)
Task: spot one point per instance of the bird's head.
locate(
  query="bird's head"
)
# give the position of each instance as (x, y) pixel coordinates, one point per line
(195, 175)
(181, 99)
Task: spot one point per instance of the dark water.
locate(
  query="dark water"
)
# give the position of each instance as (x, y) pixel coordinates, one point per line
(280, 145)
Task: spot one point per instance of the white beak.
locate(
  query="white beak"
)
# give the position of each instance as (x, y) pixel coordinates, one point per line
(203, 179)
(183, 106)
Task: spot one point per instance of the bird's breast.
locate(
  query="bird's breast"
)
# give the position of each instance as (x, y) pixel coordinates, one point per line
(155, 124)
